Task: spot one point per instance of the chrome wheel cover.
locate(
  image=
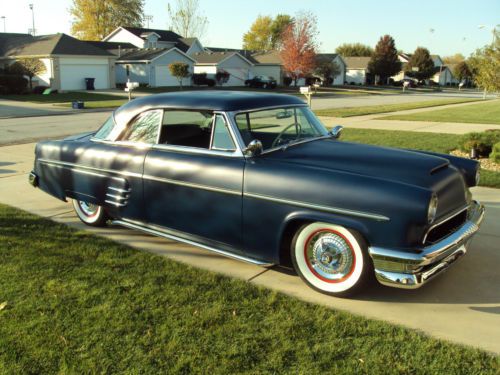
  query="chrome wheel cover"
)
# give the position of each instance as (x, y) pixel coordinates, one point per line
(329, 256)
(88, 209)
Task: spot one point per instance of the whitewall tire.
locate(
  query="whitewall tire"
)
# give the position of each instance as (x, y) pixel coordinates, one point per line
(90, 214)
(331, 258)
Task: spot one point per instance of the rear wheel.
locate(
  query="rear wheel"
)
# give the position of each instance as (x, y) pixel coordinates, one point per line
(90, 214)
(331, 259)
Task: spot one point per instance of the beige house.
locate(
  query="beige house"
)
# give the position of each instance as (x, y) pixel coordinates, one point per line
(68, 61)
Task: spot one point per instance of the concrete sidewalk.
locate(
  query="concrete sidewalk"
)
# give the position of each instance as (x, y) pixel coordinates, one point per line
(462, 306)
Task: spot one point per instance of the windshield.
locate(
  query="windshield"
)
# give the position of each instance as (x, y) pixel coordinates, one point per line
(280, 126)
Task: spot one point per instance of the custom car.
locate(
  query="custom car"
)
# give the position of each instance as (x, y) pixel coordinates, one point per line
(258, 178)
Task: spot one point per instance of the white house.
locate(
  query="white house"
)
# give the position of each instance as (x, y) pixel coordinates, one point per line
(238, 66)
(337, 59)
(154, 38)
(356, 70)
(442, 76)
(267, 64)
(151, 66)
(68, 61)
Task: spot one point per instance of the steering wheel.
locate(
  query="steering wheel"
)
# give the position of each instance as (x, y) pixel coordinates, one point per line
(278, 139)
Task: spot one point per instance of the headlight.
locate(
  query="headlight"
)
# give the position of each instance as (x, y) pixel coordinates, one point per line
(431, 212)
(478, 176)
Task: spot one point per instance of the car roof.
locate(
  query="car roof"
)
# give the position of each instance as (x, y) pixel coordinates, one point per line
(211, 100)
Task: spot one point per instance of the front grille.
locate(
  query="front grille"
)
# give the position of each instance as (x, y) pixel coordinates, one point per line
(446, 228)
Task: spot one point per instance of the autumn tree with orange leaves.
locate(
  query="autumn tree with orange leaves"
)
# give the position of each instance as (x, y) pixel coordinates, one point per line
(299, 45)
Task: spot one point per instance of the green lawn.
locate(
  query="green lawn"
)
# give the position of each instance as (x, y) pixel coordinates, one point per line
(481, 113)
(369, 110)
(59, 98)
(76, 303)
(436, 142)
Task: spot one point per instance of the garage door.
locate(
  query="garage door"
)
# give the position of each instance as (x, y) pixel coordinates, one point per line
(73, 76)
(163, 76)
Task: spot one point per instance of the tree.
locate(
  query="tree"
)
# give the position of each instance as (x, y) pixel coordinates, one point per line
(186, 19)
(222, 77)
(327, 70)
(462, 71)
(454, 59)
(299, 46)
(385, 62)
(258, 38)
(420, 65)
(180, 71)
(28, 67)
(266, 33)
(485, 66)
(280, 23)
(94, 19)
(354, 50)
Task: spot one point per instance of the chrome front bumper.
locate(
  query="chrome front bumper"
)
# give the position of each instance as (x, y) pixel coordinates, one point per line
(412, 270)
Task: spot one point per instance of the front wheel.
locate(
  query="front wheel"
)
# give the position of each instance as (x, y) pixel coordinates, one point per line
(90, 214)
(331, 259)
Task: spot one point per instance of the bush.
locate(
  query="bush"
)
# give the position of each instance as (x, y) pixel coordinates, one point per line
(210, 82)
(495, 154)
(14, 84)
(482, 142)
(39, 89)
(287, 81)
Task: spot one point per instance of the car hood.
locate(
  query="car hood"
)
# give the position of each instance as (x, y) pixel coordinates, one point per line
(405, 166)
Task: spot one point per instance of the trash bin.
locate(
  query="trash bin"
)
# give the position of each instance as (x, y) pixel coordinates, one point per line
(89, 83)
(77, 104)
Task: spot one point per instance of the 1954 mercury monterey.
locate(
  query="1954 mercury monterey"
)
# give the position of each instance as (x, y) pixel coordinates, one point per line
(258, 178)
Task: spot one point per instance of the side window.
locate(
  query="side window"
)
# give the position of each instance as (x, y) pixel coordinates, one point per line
(186, 128)
(221, 137)
(144, 128)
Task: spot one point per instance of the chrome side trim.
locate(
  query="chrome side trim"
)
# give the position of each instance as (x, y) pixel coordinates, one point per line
(82, 168)
(392, 266)
(318, 207)
(116, 204)
(117, 197)
(192, 185)
(155, 232)
(196, 150)
(126, 191)
(444, 220)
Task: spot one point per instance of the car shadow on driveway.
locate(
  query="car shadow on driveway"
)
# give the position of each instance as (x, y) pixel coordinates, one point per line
(6, 171)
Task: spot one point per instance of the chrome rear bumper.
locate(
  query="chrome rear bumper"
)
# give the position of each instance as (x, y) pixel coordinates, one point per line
(412, 270)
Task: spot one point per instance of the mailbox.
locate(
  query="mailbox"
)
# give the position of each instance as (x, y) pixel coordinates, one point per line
(305, 90)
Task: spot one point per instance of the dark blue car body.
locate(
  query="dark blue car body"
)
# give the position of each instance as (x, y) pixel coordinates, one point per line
(249, 206)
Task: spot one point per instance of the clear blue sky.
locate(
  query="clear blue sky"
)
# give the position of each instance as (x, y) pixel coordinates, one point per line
(455, 22)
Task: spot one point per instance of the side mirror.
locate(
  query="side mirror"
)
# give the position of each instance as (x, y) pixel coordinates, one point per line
(336, 131)
(254, 148)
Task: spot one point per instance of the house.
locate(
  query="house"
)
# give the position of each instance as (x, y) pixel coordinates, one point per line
(238, 66)
(151, 66)
(268, 64)
(154, 38)
(337, 59)
(68, 61)
(442, 73)
(356, 72)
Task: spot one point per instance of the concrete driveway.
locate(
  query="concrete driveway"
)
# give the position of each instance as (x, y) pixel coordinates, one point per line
(462, 306)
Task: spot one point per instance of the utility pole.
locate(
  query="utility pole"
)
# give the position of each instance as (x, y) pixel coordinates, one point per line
(3, 17)
(148, 18)
(32, 19)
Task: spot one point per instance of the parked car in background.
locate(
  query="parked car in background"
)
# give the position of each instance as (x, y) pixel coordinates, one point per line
(410, 83)
(258, 178)
(263, 82)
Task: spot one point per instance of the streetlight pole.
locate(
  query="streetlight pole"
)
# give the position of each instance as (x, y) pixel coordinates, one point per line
(32, 19)
(3, 17)
(148, 18)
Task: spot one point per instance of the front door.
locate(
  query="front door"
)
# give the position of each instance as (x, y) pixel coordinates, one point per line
(193, 179)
